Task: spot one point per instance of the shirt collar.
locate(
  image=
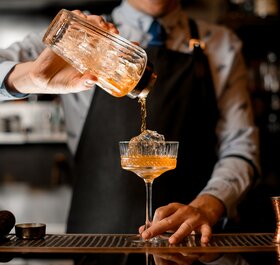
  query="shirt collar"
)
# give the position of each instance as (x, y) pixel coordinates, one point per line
(141, 20)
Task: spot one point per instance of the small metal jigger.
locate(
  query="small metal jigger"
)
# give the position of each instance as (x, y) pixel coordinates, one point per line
(276, 208)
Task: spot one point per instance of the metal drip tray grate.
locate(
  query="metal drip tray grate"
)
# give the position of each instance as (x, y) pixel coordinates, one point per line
(75, 243)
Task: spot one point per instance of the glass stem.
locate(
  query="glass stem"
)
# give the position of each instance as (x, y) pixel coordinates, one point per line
(149, 210)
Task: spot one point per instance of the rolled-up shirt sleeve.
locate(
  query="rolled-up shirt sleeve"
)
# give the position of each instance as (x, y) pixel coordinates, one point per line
(18, 52)
(5, 68)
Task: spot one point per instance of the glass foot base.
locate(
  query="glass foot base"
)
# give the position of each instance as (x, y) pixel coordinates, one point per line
(161, 240)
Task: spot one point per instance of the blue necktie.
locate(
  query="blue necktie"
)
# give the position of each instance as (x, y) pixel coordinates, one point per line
(158, 34)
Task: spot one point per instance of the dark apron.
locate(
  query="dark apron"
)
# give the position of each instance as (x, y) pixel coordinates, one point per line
(182, 106)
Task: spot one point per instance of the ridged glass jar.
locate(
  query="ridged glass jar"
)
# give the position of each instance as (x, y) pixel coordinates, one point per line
(120, 66)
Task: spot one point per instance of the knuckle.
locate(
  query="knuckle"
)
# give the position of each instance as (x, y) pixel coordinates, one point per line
(76, 11)
(169, 221)
(159, 212)
(174, 204)
(186, 226)
(183, 209)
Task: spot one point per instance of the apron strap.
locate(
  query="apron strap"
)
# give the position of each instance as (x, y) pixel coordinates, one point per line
(193, 29)
(202, 65)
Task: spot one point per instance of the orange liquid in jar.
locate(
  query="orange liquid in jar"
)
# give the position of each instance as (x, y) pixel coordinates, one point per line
(117, 89)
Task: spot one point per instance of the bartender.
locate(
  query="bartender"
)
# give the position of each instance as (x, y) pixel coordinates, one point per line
(200, 99)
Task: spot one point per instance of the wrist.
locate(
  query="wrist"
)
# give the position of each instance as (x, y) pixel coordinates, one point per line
(211, 206)
(18, 80)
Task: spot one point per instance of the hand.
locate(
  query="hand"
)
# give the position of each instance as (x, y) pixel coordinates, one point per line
(50, 74)
(199, 216)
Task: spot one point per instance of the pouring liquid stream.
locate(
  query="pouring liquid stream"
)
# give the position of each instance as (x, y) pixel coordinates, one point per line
(143, 106)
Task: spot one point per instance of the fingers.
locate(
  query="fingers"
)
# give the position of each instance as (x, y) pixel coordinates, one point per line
(165, 211)
(79, 82)
(88, 80)
(206, 233)
(98, 21)
(183, 219)
(141, 229)
(184, 230)
(166, 218)
(195, 223)
(112, 28)
(161, 220)
(136, 43)
(79, 13)
(56, 76)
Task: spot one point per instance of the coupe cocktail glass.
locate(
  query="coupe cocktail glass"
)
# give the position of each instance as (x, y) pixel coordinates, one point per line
(148, 161)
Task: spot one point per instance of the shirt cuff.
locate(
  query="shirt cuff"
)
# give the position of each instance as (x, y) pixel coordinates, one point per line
(5, 94)
(231, 179)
